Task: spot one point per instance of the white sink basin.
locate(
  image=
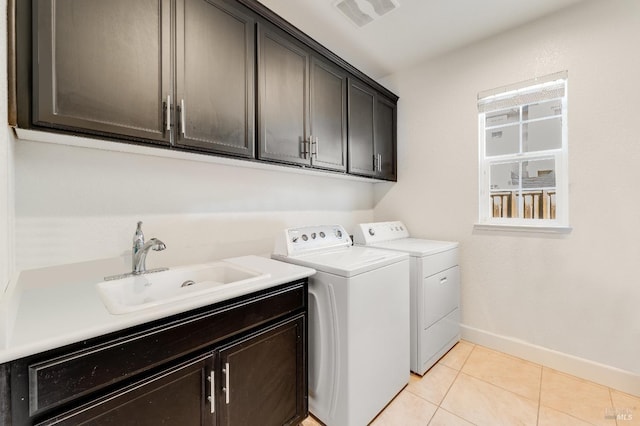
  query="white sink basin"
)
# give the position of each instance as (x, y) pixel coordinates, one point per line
(137, 292)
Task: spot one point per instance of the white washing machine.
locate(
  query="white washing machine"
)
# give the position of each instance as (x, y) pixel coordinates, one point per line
(358, 322)
(435, 288)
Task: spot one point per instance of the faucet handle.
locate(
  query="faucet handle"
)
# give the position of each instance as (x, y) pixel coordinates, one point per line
(138, 237)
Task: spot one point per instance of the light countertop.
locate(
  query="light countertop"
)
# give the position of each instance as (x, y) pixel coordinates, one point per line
(51, 307)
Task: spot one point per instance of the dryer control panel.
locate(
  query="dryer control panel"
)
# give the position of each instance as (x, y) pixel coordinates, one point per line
(375, 232)
(309, 239)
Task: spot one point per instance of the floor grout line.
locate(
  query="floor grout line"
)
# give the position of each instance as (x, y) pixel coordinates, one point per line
(459, 371)
(540, 396)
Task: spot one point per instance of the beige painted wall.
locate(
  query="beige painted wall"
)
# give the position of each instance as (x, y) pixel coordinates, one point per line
(578, 294)
(75, 204)
(6, 167)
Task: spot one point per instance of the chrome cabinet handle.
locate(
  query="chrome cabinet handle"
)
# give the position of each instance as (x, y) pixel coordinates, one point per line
(183, 123)
(375, 162)
(306, 147)
(212, 387)
(168, 112)
(379, 162)
(226, 389)
(314, 148)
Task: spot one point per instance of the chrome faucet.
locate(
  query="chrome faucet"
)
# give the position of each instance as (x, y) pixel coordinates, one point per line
(140, 250)
(139, 255)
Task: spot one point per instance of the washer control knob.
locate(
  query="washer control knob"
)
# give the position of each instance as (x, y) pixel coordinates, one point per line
(372, 232)
(322, 234)
(294, 239)
(313, 236)
(338, 233)
(304, 237)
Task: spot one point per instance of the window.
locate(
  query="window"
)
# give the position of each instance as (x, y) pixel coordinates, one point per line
(523, 154)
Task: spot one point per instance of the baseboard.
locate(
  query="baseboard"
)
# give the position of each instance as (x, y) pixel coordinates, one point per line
(616, 378)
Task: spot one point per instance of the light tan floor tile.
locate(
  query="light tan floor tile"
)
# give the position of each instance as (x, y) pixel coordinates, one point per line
(406, 409)
(456, 357)
(513, 374)
(582, 399)
(445, 418)
(550, 417)
(433, 386)
(626, 408)
(310, 421)
(482, 403)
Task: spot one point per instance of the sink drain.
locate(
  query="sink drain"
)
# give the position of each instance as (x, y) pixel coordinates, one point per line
(187, 283)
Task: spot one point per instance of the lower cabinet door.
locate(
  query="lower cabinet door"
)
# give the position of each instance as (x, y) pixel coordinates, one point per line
(263, 377)
(176, 396)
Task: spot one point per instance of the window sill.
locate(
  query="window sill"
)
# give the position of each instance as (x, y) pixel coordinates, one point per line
(547, 229)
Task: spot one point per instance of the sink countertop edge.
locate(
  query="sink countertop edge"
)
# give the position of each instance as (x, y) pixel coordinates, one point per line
(33, 322)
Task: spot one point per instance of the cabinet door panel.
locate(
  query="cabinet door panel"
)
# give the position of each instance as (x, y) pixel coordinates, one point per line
(102, 66)
(177, 396)
(361, 129)
(385, 137)
(273, 361)
(283, 81)
(328, 115)
(215, 77)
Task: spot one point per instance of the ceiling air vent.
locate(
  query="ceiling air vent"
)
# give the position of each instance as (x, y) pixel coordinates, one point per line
(361, 12)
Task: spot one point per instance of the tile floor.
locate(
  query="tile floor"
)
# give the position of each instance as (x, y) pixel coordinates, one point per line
(473, 385)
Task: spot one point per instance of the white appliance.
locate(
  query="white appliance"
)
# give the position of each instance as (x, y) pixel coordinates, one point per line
(358, 322)
(435, 288)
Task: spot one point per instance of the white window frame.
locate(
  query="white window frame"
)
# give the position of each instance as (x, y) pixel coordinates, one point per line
(546, 88)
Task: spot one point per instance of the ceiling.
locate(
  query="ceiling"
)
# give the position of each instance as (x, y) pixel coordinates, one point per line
(416, 31)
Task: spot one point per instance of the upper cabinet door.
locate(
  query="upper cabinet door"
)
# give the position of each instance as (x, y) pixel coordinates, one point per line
(215, 75)
(385, 138)
(362, 100)
(328, 116)
(103, 66)
(283, 81)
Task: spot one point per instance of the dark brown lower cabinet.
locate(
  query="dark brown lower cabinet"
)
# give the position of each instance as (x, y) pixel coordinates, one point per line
(263, 378)
(177, 396)
(238, 362)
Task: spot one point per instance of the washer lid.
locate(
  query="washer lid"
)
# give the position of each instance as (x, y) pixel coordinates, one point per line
(416, 246)
(348, 261)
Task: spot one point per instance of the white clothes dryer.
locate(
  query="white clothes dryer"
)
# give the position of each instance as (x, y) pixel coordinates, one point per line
(358, 322)
(435, 288)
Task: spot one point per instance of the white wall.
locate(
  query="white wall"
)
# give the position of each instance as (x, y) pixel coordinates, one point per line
(578, 294)
(6, 167)
(75, 204)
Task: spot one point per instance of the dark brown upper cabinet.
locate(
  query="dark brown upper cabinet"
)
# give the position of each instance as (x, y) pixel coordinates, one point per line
(215, 77)
(103, 66)
(224, 77)
(108, 67)
(302, 104)
(328, 115)
(372, 132)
